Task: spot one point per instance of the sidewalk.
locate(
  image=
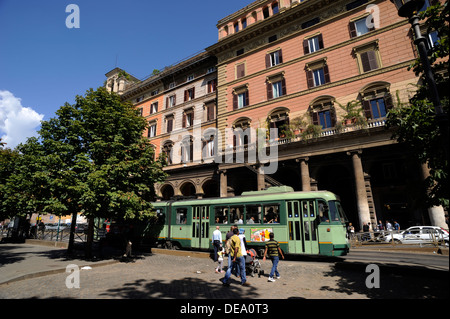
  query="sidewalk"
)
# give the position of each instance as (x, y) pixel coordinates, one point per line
(23, 261)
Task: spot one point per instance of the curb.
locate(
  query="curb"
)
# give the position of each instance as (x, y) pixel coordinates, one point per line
(55, 271)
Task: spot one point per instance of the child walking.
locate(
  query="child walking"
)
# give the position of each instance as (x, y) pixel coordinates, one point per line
(274, 250)
(220, 253)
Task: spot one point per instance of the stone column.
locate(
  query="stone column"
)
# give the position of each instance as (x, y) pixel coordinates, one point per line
(436, 213)
(223, 183)
(361, 193)
(261, 182)
(304, 170)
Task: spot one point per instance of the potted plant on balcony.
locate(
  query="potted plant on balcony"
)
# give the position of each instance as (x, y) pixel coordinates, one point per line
(312, 131)
(354, 113)
(298, 125)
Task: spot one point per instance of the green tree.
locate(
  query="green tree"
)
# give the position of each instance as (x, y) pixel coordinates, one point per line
(415, 124)
(98, 161)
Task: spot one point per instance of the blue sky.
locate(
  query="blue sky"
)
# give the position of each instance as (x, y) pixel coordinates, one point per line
(44, 64)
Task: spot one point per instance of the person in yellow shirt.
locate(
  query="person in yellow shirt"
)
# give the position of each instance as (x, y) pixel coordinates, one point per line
(237, 260)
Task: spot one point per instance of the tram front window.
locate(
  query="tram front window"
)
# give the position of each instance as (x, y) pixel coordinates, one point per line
(337, 213)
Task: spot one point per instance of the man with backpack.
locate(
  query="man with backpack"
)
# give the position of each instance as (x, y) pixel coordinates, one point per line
(236, 258)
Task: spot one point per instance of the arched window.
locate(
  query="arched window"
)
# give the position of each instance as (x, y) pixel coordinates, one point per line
(241, 132)
(279, 119)
(376, 100)
(167, 151)
(323, 112)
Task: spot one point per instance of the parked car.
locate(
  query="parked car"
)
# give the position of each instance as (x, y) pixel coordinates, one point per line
(420, 235)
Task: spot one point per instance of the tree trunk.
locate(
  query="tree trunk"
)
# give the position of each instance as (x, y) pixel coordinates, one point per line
(70, 247)
(90, 237)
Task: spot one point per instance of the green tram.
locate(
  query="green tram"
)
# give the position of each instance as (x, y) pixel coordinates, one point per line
(310, 223)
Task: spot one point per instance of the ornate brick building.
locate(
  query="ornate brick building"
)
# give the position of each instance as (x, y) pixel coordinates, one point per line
(324, 74)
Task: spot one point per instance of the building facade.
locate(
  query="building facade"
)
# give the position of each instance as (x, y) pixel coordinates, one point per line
(314, 80)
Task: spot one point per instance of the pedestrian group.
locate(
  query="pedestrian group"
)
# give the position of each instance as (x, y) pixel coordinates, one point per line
(236, 249)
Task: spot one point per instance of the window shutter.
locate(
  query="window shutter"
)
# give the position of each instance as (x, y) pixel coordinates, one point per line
(326, 74)
(283, 86)
(193, 93)
(280, 56)
(306, 46)
(352, 29)
(388, 102)
(269, 91)
(167, 103)
(184, 120)
(367, 110)
(186, 94)
(310, 79)
(247, 99)
(268, 61)
(372, 60)
(321, 46)
(315, 118)
(174, 100)
(333, 117)
(235, 101)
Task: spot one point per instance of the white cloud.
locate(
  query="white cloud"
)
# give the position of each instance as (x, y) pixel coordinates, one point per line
(17, 122)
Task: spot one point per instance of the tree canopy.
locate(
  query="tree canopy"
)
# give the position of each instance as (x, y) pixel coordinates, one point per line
(91, 158)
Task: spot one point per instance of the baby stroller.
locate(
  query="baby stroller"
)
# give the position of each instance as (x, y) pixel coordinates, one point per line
(252, 264)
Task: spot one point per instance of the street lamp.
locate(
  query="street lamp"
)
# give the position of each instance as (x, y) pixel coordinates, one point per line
(409, 9)
(406, 8)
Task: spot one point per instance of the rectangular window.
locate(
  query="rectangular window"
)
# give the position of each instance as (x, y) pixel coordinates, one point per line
(369, 61)
(274, 58)
(210, 112)
(253, 215)
(325, 119)
(361, 26)
(212, 86)
(266, 13)
(318, 76)
(152, 130)
(181, 216)
(237, 214)
(242, 100)
(154, 108)
(189, 94)
(244, 23)
(169, 124)
(221, 215)
(240, 70)
(271, 214)
(171, 101)
(277, 89)
(378, 108)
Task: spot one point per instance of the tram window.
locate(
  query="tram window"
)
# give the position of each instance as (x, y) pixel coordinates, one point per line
(161, 216)
(296, 209)
(221, 215)
(272, 214)
(237, 214)
(253, 215)
(181, 216)
(338, 211)
(323, 211)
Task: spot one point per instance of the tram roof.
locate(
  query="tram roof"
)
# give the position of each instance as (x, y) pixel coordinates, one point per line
(268, 195)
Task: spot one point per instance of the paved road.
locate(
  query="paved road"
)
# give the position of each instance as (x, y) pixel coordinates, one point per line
(161, 276)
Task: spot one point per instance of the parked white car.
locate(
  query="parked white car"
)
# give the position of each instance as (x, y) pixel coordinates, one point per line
(420, 235)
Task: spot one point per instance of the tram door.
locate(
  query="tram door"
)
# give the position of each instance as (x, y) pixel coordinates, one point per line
(302, 227)
(200, 227)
